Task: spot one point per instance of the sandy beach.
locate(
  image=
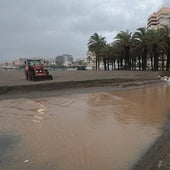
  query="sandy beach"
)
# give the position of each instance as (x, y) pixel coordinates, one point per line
(15, 80)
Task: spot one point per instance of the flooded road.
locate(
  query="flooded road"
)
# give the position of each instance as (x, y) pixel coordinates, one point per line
(89, 131)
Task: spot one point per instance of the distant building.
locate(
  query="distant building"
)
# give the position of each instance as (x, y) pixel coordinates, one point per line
(68, 57)
(51, 62)
(159, 19)
(59, 60)
(91, 59)
(19, 61)
(68, 60)
(64, 59)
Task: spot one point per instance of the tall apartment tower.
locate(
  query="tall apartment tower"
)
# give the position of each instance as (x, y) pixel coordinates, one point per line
(160, 18)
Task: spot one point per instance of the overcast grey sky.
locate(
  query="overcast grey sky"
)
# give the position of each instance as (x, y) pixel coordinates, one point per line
(30, 28)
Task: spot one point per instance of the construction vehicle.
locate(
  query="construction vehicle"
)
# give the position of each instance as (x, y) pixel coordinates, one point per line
(35, 70)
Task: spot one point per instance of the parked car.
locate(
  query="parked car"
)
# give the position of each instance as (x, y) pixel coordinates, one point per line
(81, 68)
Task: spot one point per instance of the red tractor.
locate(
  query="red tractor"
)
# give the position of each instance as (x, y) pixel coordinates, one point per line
(34, 70)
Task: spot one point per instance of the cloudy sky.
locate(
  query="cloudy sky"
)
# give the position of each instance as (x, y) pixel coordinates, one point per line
(31, 28)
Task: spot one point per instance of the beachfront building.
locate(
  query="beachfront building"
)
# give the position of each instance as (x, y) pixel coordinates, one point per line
(159, 19)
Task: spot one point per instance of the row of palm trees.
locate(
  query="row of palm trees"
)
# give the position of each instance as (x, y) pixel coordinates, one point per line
(144, 49)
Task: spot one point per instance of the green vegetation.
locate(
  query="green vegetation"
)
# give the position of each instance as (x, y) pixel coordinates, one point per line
(143, 50)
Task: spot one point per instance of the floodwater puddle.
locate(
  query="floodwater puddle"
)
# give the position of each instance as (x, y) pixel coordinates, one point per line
(90, 131)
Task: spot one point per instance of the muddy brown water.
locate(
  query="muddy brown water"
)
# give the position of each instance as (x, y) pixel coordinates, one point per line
(89, 131)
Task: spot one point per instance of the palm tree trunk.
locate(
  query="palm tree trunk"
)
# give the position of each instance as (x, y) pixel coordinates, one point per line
(127, 57)
(96, 62)
(114, 62)
(144, 58)
(107, 64)
(139, 59)
(155, 56)
(163, 61)
(168, 60)
(121, 64)
(118, 64)
(112, 65)
(104, 62)
(152, 67)
(135, 63)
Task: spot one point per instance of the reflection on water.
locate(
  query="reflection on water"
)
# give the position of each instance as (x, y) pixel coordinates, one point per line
(82, 132)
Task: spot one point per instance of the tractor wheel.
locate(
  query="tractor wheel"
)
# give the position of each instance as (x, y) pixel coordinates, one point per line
(27, 76)
(30, 75)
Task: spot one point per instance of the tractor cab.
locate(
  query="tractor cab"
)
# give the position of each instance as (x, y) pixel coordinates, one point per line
(34, 62)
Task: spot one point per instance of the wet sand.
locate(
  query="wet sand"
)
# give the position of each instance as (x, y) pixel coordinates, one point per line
(89, 124)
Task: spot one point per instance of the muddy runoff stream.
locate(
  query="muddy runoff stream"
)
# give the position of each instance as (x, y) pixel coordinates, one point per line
(85, 131)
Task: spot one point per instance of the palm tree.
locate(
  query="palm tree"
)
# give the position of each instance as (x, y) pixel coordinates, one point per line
(111, 58)
(141, 36)
(155, 40)
(166, 45)
(124, 39)
(96, 44)
(104, 54)
(135, 56)
(116, 54)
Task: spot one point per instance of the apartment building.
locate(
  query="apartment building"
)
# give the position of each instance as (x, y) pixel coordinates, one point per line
(160, 18)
